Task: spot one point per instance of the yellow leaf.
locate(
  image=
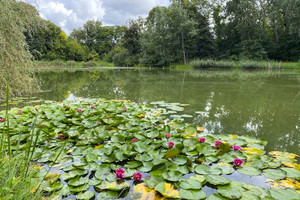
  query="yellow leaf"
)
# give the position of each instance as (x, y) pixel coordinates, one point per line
(286, 183)
(233, 137)
(224, 164)
(280, 155)
(99, 146)
(146, 192)
(292, 165)
(162, 122)
(37, 167)
(200, 129)
(253, 151)
(170, 192)
(184, 105)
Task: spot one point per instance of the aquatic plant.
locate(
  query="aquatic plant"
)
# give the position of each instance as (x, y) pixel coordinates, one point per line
(132, 145)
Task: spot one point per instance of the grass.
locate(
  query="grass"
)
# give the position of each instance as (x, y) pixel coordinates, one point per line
(18, 177)
(247, 64)
(71, 64)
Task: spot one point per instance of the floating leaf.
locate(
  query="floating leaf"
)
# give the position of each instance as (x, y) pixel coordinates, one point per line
(230, 193)
(167, 190)
(146, 193)
(250, 171)
(253, 151)
(192, 184)
(280, 194)
(217, 180)
(291, 173)
(274, 174)
(192, 194)
(86, 195)
(115, 186)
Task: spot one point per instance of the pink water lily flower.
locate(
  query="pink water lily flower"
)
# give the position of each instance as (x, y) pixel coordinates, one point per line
(79, 110)
(62, 137)
(168, 135)
(236, 148)
(137, 176)
(2, 120)
(202, 140)
(92, 107)
(134, 140)
(170, 144)
(238, 162)
(217, 143)
(120, 173)
(99, 123)
(125, 109)
(19, 112)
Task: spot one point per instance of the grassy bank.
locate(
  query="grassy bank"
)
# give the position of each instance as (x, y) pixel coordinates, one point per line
(71, 64)
(248, 64)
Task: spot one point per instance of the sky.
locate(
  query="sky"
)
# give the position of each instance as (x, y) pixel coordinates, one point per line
(70, 14)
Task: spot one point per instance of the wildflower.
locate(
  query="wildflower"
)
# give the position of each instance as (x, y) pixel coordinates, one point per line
(92, 107)
(19, 112)
(137, 176)
(125, 109)
(2, 120)
(79, 110)
(120, 173)
(168, 135)
(170, 144)
(134, 140)
(236, 148)
(217, 143)
(62, 137)
(201, 140)
(238, 162)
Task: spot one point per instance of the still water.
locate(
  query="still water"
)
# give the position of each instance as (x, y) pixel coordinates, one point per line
(264, 104)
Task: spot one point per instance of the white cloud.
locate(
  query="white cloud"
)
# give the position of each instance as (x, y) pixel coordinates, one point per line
(70, 14)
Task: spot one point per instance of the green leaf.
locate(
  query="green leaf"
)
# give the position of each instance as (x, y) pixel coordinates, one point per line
(280, 194)
(202, 169)
(216, 197)
(230, 193)
(172, 175)
(86, 195)
(167, 190)
(291, 172)
(250, 171)
(274, 174)
(217, 180)
(192, 194)
(115, 186)
(108, 195)
(188, 184)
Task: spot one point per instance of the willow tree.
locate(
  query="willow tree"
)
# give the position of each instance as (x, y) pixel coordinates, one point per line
(15, 59)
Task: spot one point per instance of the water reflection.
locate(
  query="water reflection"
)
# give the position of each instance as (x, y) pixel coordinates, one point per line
(263, 104)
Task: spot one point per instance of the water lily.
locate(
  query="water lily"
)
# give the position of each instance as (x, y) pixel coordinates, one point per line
(2, 120)
(99, 123)
(92, 107)
(19, 112)
(170, 144)
(134, 140)
(236, 148)
(168, 135)
(120, 173)
(125, 109)
(217, 143)
(137, 176)
(79, 110)
(62, 137)
(202, 140)
(238, 162)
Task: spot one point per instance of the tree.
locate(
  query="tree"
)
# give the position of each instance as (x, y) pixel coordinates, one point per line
(15, 59)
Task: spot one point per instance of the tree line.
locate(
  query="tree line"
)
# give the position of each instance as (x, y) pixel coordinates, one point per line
(183, 31)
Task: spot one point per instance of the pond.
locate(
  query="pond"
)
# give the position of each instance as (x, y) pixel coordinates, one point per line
(264, 104)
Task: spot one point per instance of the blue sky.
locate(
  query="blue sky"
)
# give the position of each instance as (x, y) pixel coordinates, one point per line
(70, 14)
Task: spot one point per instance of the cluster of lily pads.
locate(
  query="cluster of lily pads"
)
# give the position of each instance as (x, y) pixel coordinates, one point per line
(121, 149)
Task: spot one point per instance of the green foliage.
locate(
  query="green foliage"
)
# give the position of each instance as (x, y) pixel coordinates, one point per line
(15, 59)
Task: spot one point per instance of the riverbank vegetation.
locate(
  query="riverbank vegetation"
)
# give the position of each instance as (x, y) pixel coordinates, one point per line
(184, 31)
(125, 149)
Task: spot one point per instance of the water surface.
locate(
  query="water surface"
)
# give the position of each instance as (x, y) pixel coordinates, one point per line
(264, 104)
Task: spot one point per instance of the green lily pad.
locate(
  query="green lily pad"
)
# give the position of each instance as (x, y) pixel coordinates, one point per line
(86, 195)
(192, 194)
(190, 184)
(250, 171)
(274, 174)
(217, 180)
(288, 194)
(115, 186)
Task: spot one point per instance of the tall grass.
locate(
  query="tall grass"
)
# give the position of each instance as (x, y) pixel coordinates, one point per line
(16, 172)
(71, 64)
(247, 64)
